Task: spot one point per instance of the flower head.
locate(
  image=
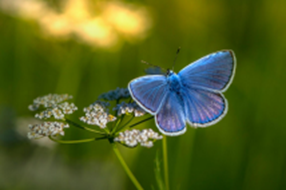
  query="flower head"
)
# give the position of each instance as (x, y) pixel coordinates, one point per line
(53, 105)
(97, 114)
(116, 94)
(128, 108)
(134, 137)
(50, 100)
(67, 108)
(46, 129)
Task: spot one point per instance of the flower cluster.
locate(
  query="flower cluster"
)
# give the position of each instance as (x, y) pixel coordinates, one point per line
(46, 129)
(128, 108)
(50, 100)
(116, 94)
(68, 108)
(54, 106)
(97, 114)
(134, 137)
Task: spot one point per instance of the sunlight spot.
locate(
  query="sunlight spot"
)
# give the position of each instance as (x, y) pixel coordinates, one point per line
(104, 25)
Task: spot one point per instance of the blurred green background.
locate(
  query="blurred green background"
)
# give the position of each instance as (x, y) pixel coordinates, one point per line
(85, 49)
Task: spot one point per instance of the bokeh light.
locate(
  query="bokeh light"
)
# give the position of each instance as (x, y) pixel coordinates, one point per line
(105, 26)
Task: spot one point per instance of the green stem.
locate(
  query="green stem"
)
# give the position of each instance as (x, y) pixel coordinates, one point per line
(127, 170)
(117, 124)
(141, 121)
(84, 128)
(126, 123)
(75, 141)
(106, 130)
(165, 158)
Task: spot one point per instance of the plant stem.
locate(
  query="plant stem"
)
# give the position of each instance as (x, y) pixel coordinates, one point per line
(118, 121)
(127, 170)
(165, 158)
(133, 125)
(74, 141)
(85, 128)
(124, 125)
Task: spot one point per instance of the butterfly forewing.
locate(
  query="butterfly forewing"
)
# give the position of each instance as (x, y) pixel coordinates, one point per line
(149, 91)
(214, 71)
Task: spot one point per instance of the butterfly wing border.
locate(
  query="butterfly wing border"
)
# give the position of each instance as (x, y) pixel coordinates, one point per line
(233, 71)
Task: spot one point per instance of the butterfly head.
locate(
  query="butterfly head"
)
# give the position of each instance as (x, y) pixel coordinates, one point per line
(169, 72)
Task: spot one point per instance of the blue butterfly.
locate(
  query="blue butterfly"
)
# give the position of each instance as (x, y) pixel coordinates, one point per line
(193, 96)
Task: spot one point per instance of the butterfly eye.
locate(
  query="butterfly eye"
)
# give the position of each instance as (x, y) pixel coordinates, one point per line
(169, 72)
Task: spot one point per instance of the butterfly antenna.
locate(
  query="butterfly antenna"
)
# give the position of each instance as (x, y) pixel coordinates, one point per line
(178, 51)
(145, 62)
(158, 69)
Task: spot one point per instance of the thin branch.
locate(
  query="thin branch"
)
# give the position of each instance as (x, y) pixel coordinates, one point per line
(76, 141)
(84, 128)
(133, 125)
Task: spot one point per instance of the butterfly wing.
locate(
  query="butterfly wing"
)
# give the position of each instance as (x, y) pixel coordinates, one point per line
(199, 102)
(149, 91)
(202, 84)
(203, 107)
(171, 119)
(214, 71)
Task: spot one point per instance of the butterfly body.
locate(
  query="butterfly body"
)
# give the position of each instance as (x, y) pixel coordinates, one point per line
(193, 96)
(174, 82)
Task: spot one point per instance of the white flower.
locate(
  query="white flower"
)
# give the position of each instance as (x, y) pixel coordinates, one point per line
(50, 100)
(148, 144)
(44, 114)
(46, 129)
(134, 137)
(57, 113)
(53, 105)
(97, 114)
(68, 108)
(128, 108)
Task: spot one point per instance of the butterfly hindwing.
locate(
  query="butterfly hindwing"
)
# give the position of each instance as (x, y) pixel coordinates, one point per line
(214, 71)
(203, 107)
(171, 119)
(149, 91)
